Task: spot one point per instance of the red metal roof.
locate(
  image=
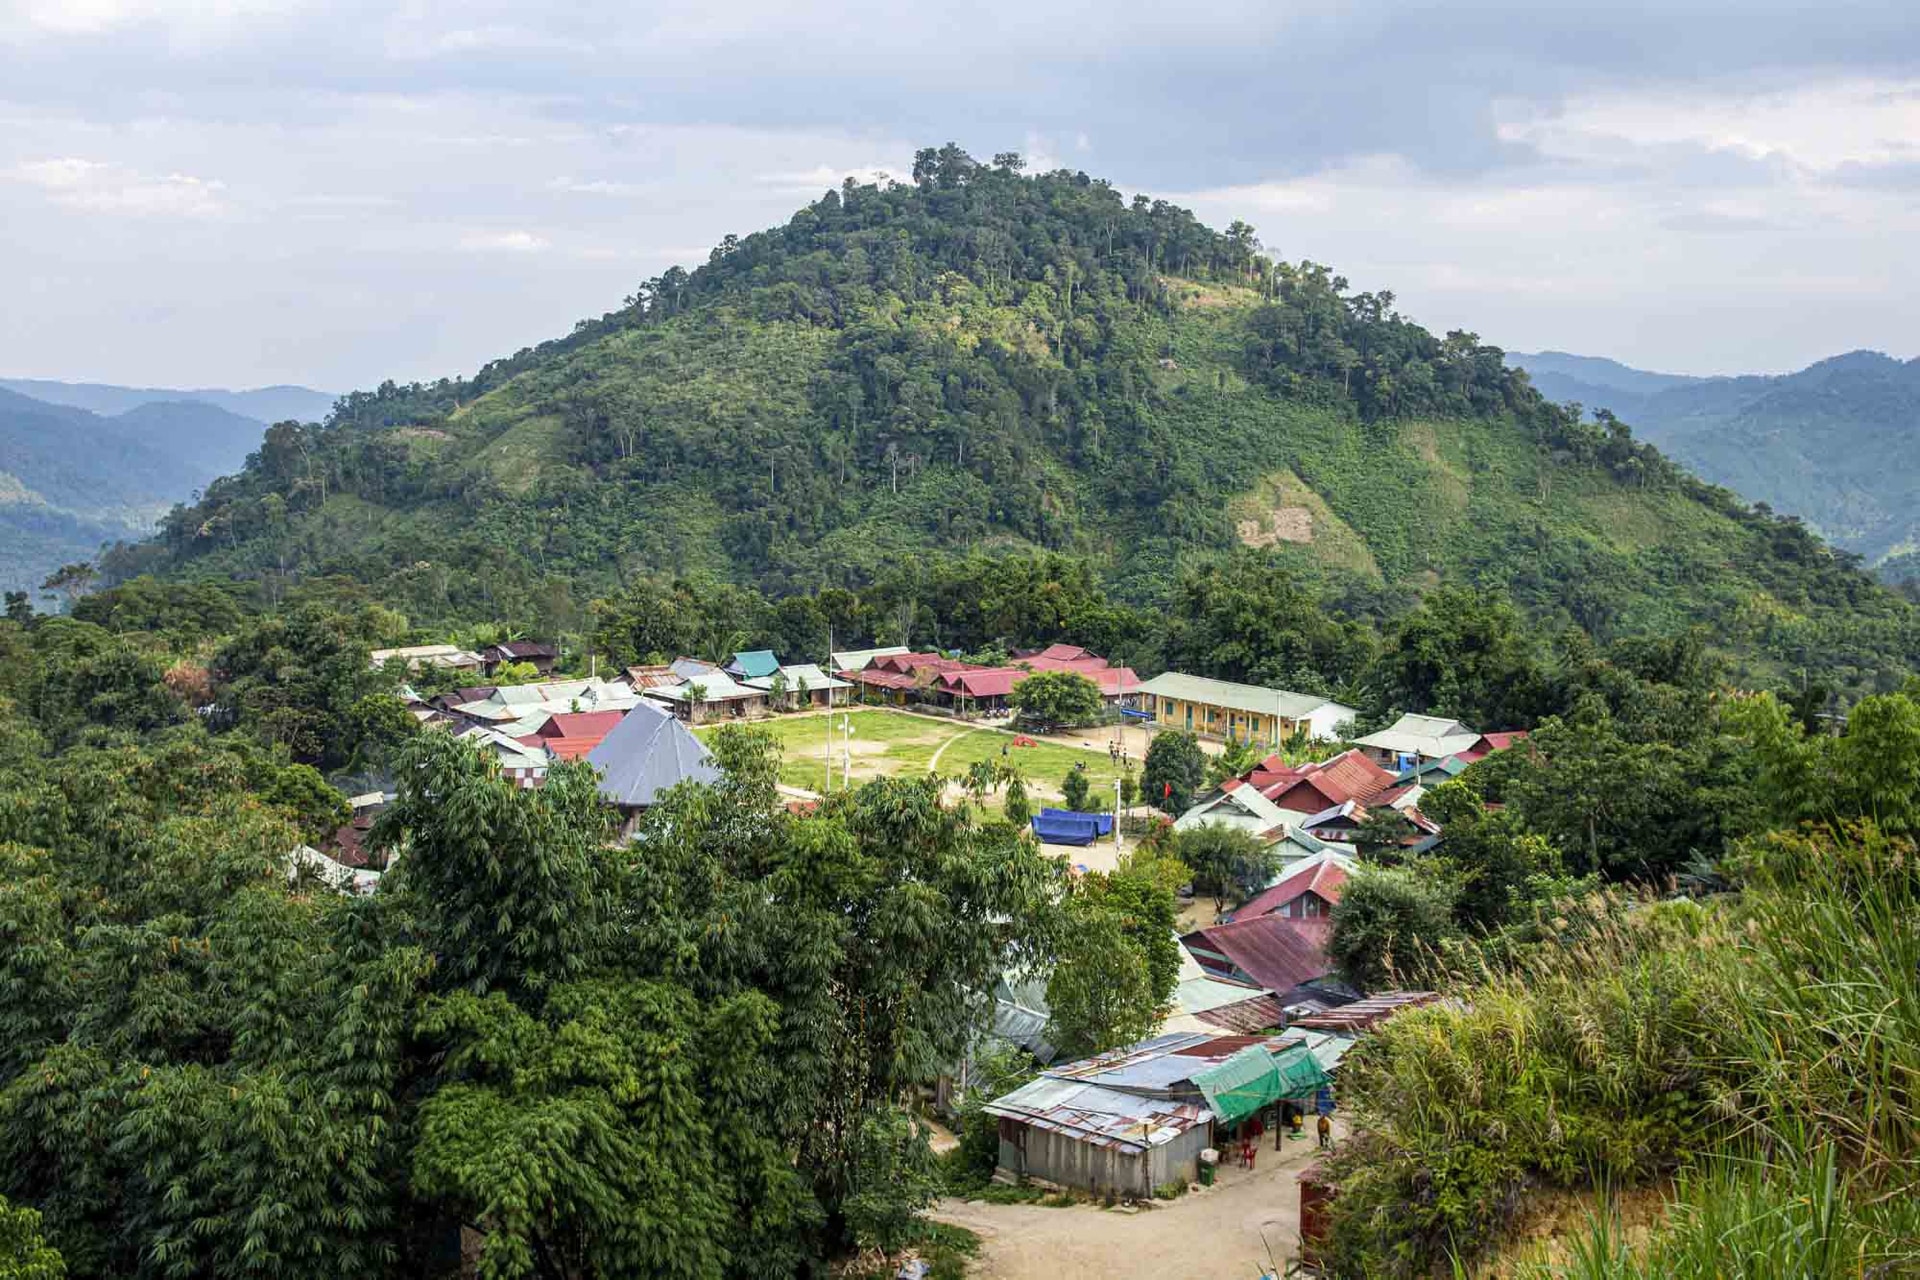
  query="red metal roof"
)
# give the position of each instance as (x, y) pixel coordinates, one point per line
(579, 724)
(1348, 776)
(1324, 879)
(1274, 951)
(1490, 743)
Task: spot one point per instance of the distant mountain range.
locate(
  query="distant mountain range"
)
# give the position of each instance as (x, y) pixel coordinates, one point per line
(82, 464)
(262, 404)
(1837, 444)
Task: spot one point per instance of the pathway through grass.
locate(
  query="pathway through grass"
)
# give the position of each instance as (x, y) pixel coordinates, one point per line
(889, 743)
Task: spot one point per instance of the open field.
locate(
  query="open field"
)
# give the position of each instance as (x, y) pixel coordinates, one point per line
(889, 743)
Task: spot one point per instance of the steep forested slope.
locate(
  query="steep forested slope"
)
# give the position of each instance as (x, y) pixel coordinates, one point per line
(980, 360)
(1837, 443)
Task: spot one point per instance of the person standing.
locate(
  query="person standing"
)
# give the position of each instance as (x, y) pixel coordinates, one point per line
(1325, 1128)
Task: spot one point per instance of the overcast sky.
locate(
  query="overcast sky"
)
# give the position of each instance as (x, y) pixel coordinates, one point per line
(237, 192)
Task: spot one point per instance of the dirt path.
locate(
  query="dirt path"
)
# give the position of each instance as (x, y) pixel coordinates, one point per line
(933, 763)
(1247, 1225)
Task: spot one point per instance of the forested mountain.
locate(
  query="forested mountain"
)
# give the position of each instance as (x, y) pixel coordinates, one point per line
(71, 480)
(1835, 443)
(981, 361)
(262, 404)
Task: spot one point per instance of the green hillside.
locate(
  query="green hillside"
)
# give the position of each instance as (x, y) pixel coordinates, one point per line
(979, 360)
(1831, 443)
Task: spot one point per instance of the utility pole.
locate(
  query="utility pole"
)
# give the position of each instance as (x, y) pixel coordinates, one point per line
(1117, 845)
(829, 715)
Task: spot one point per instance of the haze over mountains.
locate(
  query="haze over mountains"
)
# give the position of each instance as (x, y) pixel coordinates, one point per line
(1837, 443)
(82, 464)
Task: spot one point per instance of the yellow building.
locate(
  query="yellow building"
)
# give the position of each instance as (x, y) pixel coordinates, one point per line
(1244, 712)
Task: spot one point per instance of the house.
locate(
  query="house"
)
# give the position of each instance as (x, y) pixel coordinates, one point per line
(520, 762)
(541, 657)
(1272, 799)
(1138, 1117)
(846, 660)
(569, 735)
(421, 656)
(802, 684)
(752, 665)
(901, 678)
(1274, 953)
(1431, 773)
(1308, 890)
(1365, 1015)
(645, 754)
(1248, 713)
(645, 677)
(1489, 743)
(987, 688)
(1311, 787)
(520, 710)
(1206, 1002)
(1411, 739)
(330, 873)
(705, 696)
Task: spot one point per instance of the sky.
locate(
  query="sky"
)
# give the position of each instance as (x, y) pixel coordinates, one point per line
(329, 192)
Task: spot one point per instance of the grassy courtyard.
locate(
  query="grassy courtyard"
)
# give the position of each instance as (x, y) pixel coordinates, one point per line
(889, 743)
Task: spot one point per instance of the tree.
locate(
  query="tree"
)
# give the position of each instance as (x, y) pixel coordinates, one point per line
(1175, 768)
(1129, 790)
(1075, 789)
(24, 1255)
(71, 581)
(1226, 861)
(1461, 653)
(1387, 921)
(894, 1177)
(1101, 992)
(1056, 699)
(1235, 760)
(1018, 811)
(510, 885)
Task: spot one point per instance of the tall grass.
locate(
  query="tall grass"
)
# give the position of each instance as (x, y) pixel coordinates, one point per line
(1806, 1221)
(1767, 1043)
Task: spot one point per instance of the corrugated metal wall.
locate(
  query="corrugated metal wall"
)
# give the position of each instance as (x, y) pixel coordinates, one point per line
(1061, 1158)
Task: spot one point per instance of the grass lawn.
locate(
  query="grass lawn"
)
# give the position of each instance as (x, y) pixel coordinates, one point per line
(889, 743)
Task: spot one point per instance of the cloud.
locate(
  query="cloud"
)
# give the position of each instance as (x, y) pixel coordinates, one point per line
(98, 187)
(1566, 174)
(505, 242)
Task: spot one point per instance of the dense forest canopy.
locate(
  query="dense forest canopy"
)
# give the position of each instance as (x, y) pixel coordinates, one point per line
(981, 361)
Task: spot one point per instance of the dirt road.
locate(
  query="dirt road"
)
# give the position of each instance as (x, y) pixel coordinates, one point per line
(1246, 1225)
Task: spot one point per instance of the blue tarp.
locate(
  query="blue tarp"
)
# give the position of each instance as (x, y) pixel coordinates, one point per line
(1064, 826)
(1102, 822)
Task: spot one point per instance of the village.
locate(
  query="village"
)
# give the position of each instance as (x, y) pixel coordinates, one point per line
(1248, 1050)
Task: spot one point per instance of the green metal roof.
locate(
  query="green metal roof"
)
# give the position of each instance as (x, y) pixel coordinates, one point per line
(756, 662)
(1254, 1078)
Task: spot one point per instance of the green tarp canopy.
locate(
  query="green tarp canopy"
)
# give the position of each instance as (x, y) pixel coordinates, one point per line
(1253, 1078)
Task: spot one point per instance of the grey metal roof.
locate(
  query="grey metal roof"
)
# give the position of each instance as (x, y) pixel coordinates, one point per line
(1100, 1116)
(645, 754)
(1433, 736)
(796, 672)
(1237, 697)
(857, 659)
